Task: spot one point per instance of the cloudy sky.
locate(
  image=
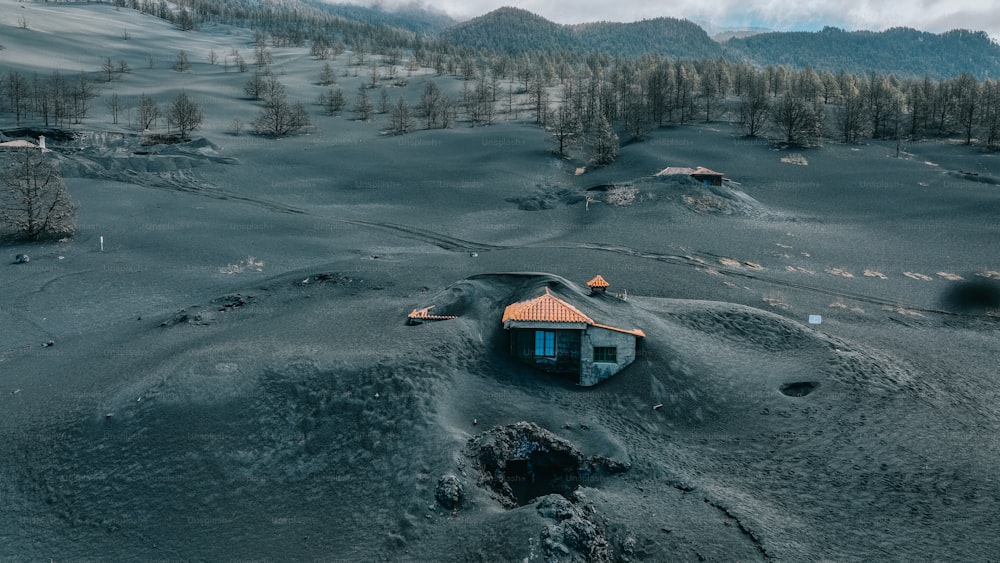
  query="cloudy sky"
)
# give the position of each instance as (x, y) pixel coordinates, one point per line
(929, 15)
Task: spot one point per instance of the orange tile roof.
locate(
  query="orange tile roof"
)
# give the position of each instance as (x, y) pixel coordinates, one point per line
(598, 281)
(424, 314)
(550, 309)
(546, 308)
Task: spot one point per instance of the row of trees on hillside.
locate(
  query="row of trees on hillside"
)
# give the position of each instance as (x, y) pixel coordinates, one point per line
(570, 97)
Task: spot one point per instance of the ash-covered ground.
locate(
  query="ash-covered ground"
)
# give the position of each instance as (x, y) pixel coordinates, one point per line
(232, 376)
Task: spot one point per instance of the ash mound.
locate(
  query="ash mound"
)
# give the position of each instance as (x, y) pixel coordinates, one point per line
(661, 193)
(680, 191)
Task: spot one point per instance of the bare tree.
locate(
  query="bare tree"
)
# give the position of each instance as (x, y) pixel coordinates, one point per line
(34, 202)
(384, 102)
(754, 104)
(792, 116)
(184, 20)
(363, 109)
(566, 128)
(262, 55)
(255, 86)
(327, 76)
(115, 105)
(400, 122)
(147, 113)
(82, 94)
(109, 70)
(18, 93)
(181, 63)
(429, 107)
(605, 145)
(184, 114)
(332, 101)
(280, 118)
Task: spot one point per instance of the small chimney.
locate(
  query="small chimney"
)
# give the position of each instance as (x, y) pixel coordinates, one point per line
(41, 142)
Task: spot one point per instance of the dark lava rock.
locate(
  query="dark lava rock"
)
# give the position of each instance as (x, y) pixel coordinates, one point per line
(448, 492)
(574, 537)
(522, 461)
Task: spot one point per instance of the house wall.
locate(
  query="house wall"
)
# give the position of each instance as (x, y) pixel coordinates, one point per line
(592, 372)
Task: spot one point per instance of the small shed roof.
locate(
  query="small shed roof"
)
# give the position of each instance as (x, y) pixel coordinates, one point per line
(424, 315)
(702, 171)
(685, 171)
(19, 144)
(674, 170)
(598, 281)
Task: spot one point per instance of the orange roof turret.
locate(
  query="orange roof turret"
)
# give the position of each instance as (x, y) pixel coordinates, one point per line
(598, 281)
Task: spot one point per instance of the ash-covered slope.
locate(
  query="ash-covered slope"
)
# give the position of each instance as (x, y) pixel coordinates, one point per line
(307, 419)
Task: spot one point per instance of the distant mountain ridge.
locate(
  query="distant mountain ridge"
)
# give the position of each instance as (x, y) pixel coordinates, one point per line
(900, 50)
(513, 30)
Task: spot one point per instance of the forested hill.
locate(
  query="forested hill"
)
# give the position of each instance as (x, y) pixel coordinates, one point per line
(665, 36)
(513, 30)
(416, 19)
(900, 51)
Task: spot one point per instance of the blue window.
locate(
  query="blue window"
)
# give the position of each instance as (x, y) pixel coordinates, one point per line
(545, 343)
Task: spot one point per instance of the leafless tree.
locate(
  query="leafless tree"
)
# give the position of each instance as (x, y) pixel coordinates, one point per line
(280, 118)
(605, 144)
(184, 114)
(115, 105)
(34, 202)
(400, 121)
(181, 63)
(147, 113)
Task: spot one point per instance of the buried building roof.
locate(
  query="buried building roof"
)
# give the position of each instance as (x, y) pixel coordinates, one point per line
(424, 315)
(548, 308)
(598, 281)
(683, 170)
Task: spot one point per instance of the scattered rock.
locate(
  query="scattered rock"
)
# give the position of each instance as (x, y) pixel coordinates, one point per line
(21, 259)
(330, 277)
(48, 343)
(572, 534)
(449, 492)
(189, 317)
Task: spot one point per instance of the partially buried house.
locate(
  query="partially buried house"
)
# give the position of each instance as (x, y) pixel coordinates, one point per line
(701, 174)
(552, 335)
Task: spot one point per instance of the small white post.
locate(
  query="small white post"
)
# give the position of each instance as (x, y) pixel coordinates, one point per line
(41, 142)
(102, 243)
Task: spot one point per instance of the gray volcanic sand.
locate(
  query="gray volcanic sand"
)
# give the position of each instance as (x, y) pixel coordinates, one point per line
(232, 377)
